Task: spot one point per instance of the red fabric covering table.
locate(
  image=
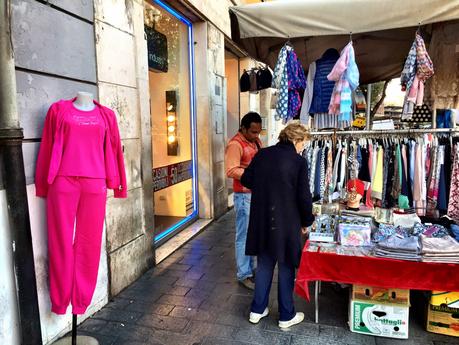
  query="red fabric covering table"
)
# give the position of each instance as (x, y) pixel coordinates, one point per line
(373, 271)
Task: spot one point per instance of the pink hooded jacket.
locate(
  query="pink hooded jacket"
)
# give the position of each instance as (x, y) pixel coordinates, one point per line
(52, 143)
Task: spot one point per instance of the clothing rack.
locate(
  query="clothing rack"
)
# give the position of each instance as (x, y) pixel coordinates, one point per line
(451, 131)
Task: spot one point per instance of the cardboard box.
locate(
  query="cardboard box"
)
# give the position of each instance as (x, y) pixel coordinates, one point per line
(448, 298)
(443, 319)
(382, 320)
(381, 295)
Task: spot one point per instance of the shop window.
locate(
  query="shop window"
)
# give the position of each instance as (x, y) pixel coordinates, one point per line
(170, 61)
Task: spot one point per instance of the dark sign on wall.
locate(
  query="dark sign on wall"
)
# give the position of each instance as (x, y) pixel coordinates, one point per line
(157, 50)
(169, 175)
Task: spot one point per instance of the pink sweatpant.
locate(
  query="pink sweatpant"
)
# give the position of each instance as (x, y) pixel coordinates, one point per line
(76, 211)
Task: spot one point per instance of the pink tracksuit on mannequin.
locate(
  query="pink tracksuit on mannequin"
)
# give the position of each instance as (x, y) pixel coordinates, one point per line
(80, 157)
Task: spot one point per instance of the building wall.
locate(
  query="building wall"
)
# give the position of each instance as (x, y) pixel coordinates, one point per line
(215, 12)
(120, 70)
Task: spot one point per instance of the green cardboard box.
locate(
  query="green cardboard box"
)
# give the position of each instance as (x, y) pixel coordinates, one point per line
(382, 320)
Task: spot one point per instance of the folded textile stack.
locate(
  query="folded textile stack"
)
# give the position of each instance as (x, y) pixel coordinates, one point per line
(385, 231)
(396, 247)
(439, 249)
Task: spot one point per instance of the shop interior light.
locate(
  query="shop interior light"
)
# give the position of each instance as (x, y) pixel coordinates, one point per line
(170, 107)
(171, 129)
(171, 118)
(171, 138)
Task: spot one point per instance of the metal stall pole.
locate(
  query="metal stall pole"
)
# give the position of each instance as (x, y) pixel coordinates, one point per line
(368, 109)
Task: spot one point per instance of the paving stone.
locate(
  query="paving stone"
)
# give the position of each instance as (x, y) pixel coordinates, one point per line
(150, 307)
(151, 295)
(179, 267)
(112, 329)
(192, 302)
(173, 324)
(197, 284)
(102, 339)
(117, 315)
(391, 341)
(345, 336)
(203, 328)
(304, 328)
(191, 259)
(192, 314)
(119, 303)
(128, 334)
(238, 318)
(303, 340)
(220, 341)
(93, 325)
(260, 336)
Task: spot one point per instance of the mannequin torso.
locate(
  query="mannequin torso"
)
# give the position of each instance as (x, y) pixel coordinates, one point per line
(84, 101)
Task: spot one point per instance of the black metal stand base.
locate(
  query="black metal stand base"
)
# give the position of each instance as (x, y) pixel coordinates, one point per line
(76, 339)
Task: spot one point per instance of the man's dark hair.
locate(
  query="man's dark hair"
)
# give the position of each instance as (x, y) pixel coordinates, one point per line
(249, 118)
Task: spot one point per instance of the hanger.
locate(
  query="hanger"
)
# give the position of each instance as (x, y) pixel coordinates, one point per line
(350, 36)
(418, 30)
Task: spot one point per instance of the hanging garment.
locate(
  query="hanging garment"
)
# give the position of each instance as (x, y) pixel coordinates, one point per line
(368, 200)
(323, 160)
(346, 75)
(336, 168)
(386, 159)
(317, 177)
(323, 88)
(313, 169)
(409, 69)
(453, 204)
(417, 180)
(432, 194)
(388, 200)
(325, 120)
(280, 82)
(296, 82)
(329, 174)
(308, 94)
(415, 85)
(378, 179)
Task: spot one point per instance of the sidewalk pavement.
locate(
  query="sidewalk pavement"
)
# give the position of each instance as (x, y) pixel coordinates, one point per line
(193, 298)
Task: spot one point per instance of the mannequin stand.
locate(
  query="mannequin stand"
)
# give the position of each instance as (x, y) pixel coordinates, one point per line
(74, 339)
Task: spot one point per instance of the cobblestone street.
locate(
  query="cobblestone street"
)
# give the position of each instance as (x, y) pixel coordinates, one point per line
(193, 298)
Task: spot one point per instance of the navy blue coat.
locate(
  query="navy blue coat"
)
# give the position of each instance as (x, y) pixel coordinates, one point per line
(281, 203)
(323, 88)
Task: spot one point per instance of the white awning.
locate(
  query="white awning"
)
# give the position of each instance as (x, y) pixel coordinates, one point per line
(382, 30)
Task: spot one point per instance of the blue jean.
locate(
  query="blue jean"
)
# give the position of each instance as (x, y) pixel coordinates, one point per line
(263, 280)
(244, 263)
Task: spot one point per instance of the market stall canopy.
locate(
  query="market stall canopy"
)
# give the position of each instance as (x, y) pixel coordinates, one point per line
(382, 30)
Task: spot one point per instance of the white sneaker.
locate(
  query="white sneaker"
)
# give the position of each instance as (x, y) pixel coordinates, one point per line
(255, 317)
(296, 320)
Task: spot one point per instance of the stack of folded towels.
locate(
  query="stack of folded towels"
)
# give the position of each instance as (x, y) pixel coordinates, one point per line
(396, 247)
(440, 249)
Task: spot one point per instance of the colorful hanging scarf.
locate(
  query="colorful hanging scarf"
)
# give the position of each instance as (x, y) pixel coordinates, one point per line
(346, 75)
(418, 68)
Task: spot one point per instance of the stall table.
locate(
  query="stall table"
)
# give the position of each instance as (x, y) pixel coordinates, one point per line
(373, 271)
